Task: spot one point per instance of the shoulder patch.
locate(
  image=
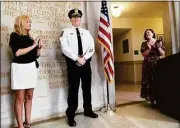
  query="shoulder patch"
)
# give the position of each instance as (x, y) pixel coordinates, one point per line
(91, 50)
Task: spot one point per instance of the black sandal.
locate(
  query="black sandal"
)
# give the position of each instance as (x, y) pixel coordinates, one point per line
(26, 125)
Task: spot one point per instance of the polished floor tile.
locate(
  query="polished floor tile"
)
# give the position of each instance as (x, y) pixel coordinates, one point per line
(126, 93)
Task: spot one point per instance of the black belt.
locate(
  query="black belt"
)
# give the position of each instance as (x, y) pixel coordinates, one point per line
(37, 64)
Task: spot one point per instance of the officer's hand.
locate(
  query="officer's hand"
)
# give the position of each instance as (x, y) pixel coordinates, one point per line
(81, 61)
(84, 61)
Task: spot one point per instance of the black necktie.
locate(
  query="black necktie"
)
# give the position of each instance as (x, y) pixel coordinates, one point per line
(80, 50)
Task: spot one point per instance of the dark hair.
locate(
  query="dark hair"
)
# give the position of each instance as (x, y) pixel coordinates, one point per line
(154, 35)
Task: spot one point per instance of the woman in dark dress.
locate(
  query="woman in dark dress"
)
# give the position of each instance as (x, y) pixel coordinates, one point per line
(24, 68)
(151, 50)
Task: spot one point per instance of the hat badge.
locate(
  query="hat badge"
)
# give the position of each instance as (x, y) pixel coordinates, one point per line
(76, 11)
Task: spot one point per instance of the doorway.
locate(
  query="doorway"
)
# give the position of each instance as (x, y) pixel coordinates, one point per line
(126, 90)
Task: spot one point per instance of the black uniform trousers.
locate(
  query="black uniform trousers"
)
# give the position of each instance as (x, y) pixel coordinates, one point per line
(75, 73)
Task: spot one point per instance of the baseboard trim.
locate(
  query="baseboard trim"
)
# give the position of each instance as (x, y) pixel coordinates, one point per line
(130, 62)
(130, 82)
(130, 103)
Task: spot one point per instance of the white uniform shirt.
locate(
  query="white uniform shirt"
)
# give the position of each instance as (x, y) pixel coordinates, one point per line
(69, 43)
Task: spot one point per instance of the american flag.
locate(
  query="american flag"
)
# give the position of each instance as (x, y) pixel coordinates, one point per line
(104, 38)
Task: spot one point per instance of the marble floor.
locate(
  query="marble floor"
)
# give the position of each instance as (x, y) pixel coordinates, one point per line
(126, 93)
(130, 116)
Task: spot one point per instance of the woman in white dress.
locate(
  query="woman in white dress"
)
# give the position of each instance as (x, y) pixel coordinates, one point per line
(24, 68)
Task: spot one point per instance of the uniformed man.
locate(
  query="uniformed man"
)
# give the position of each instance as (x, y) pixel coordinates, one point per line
(78, 47)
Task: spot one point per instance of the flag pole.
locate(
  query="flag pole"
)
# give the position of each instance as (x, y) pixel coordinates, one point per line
(108, 109)
(107, 92)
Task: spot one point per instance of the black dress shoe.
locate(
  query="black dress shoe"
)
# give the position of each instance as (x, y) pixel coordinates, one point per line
(71, 122)
(91, 114)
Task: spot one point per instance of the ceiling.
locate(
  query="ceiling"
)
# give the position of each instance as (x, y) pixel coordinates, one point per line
(119, 31)
(143, 9)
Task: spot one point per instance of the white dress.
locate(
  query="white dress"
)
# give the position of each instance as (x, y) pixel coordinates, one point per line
(23, 76)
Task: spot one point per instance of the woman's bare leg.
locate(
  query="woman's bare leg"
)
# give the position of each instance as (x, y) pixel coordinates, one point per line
(18, 107)
(28, 104)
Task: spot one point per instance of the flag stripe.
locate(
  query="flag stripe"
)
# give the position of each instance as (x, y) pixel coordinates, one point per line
(104, 22)
(107, 74)
(103, 42)
(103, 26)
(110, 68)
(105, 33)
(105, 48)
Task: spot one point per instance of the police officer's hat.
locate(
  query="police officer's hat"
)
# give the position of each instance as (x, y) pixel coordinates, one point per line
(74, 13)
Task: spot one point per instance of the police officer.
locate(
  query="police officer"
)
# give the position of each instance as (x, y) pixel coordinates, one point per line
(78, 47)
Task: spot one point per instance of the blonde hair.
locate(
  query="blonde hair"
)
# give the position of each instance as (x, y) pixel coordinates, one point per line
(19, 24)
